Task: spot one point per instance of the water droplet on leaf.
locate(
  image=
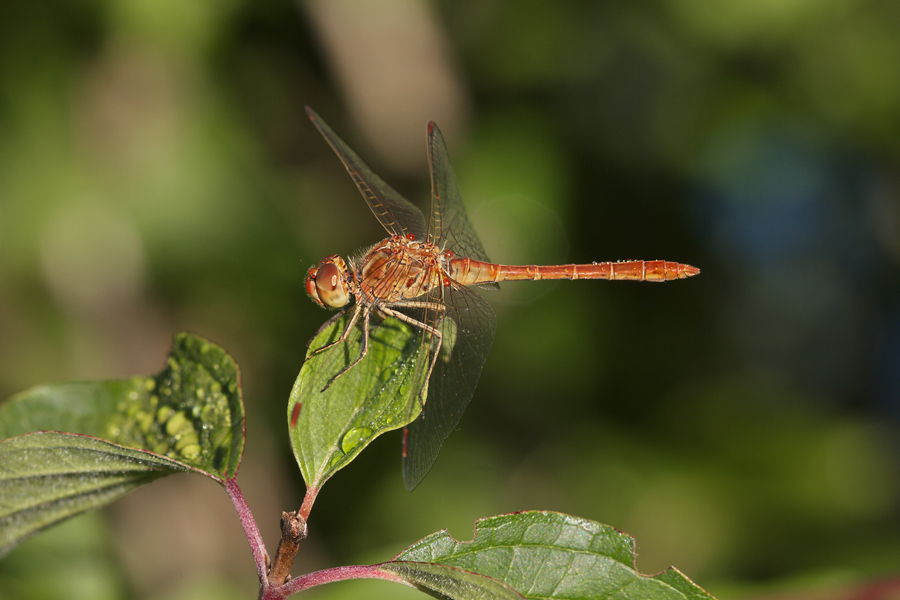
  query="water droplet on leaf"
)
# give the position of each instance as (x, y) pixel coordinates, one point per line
(353, 438)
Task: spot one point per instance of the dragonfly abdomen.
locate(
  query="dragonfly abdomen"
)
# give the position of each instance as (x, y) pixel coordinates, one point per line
(472, 272)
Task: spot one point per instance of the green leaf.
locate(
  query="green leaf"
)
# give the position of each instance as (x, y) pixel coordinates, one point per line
(190, 416)
(329, 427)
(47, 477)
(191, 411)
(442, 581)
(544, 555)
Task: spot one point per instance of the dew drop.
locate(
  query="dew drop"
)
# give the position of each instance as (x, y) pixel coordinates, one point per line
(144, 421)
(208, 413)
(353, 438)
(184, 441)
(191, 451)
(178, 424)
(163, 414)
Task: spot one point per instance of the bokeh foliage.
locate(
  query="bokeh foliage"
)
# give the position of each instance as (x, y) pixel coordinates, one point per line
(157, 174)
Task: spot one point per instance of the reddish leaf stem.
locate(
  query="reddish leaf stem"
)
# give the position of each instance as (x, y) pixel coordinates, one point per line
(309, 580)
(293, 530)
(308, 500)
(257, 546)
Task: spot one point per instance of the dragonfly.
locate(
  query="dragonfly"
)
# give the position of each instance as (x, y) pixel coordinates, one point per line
(425, 275)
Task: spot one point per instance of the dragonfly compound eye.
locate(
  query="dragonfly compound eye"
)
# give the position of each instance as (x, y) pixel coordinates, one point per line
(311, 285)
(330, 286)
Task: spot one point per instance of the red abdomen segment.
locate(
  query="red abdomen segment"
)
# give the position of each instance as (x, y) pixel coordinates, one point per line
(472, 272)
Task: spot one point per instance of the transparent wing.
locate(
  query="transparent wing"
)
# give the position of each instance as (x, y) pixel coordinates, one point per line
(468, 328)
(450, 227)
(465, 320)
(397, 214)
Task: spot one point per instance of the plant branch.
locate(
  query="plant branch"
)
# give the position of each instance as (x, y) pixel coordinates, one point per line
(257, 546)
(309, 580)
(293, 530)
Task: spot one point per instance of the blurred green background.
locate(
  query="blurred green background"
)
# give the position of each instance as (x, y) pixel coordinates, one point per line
(158, 174)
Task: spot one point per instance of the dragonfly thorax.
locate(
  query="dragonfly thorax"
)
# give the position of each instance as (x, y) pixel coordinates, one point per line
(398, 270)
(326, 283)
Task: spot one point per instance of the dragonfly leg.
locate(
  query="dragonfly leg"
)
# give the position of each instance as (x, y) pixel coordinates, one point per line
(362, 354)
(344, 335)
(435, 306)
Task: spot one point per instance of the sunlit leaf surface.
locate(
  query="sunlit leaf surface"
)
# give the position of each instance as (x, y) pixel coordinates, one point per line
(191, 411)
(329, 427)
(189, 416)
(541, 555)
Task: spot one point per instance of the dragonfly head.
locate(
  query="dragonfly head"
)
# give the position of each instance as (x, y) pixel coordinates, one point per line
(326, 283)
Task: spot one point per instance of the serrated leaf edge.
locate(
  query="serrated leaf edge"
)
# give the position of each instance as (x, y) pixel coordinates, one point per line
(631, 565)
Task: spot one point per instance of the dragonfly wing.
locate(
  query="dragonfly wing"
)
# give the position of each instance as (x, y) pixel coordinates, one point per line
(450, 226)
(468, 329)
(397, 214)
